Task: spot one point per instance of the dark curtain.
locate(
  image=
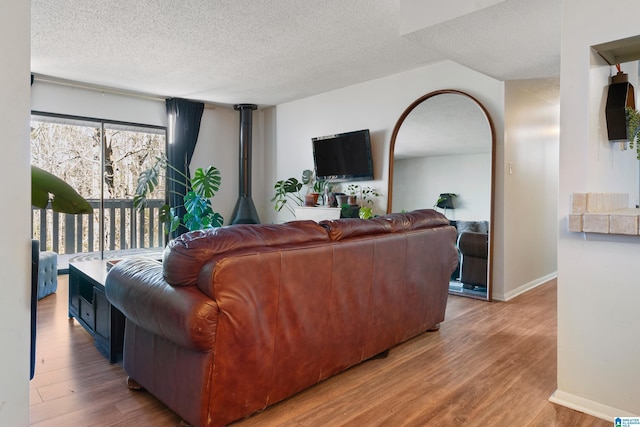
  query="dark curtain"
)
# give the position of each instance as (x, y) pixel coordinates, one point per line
(184, 118)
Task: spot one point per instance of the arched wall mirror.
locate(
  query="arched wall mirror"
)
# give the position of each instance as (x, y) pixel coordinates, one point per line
(443, 156)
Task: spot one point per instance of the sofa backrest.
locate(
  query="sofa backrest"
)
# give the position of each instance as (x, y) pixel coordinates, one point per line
(474, 226)
(340, 229)
(184, 256)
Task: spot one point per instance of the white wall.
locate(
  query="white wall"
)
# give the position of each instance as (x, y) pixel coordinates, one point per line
(468, 176)
(377, 105)
(15, 249)
(218, 146)
(264, 162)
(532, 128)
(598, 287)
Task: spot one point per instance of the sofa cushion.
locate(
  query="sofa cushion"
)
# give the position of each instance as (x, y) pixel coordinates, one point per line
(184, 256)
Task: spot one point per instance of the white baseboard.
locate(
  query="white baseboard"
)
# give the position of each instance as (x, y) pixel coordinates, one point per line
(526, 287)
(587, 406)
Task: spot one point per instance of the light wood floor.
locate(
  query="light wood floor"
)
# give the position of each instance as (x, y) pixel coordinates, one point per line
(491, 364)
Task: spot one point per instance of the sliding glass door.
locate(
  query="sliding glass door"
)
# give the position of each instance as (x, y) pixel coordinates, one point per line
(102, 161)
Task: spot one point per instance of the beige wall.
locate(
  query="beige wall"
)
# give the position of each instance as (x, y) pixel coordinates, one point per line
(598, 287)
(532, 127)
(218, 146)
(15, 249)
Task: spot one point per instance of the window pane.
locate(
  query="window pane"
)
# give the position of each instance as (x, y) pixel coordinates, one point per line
(129, 151)
(71, 151)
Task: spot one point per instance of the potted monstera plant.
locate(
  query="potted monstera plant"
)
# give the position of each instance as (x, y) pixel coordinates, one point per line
(201, 188)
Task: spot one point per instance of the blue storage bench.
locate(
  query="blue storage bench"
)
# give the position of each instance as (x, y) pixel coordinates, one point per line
(47, 273)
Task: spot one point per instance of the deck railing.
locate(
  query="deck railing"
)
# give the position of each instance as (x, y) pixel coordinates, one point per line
(124, 228)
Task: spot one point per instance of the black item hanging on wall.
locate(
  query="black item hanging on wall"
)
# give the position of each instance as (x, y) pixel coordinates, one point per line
(445, 201)
(619, 97)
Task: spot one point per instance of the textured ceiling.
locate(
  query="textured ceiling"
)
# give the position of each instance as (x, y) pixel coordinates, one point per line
(270, 52)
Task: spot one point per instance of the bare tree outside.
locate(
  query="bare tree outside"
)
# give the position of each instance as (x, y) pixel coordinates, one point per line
(103, 167)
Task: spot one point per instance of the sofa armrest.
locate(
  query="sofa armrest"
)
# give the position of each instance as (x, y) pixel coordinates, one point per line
(474, 244)
(183, 315)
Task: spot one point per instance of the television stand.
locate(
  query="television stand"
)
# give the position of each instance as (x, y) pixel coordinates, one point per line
(89, 305)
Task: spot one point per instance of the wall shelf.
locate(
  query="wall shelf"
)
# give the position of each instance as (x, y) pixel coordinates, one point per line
(620, 51)
(603, 213)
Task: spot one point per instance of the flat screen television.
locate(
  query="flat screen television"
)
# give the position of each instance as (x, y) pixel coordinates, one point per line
(343, 157)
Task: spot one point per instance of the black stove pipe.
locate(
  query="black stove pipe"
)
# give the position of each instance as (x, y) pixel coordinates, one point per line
(245, 211)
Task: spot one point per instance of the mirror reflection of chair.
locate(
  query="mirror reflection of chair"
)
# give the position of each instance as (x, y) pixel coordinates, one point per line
(471, 277)
(474, 254)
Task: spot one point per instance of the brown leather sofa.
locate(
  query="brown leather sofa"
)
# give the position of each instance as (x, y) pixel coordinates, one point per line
(238, 318)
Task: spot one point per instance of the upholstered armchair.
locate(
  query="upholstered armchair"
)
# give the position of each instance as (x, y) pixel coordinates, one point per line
(474, 250)
(473, 247)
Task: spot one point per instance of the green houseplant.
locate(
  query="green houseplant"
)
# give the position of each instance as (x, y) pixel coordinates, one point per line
(46, 187)
(633, 129)
(288, 190)
(366, 195)
(201, 188)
